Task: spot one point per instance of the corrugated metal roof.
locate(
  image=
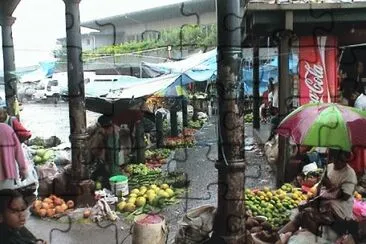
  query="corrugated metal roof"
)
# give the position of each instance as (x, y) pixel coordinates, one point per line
(154, 14)
(260, 5)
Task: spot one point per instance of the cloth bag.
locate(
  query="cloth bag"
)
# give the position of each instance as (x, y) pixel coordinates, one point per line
(196, 226)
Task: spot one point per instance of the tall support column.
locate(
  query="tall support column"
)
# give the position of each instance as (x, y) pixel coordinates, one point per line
(229, 224)
(256, 102)
(140, 142)
(159, 130)
(76, 88)
(285, 98)
(9, 62)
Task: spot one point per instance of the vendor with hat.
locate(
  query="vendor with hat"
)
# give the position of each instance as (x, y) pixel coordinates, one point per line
(22, 133)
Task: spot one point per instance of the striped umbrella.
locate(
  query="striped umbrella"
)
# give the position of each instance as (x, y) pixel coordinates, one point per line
(325, 125)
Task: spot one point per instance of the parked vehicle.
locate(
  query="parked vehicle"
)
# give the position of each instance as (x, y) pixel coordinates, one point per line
(93, 81)
(49, 89)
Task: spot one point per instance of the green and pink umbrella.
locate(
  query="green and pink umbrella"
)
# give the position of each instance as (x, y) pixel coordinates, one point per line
(325, 125)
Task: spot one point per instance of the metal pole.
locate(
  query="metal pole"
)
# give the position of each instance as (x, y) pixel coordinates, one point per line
(9, 61)
(76, 92)
(229, 224)
(256, 102)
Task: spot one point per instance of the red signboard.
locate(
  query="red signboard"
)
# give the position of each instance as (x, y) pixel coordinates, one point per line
(318, 80)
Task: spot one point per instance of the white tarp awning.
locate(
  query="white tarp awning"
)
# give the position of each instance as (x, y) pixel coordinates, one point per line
(142, 89)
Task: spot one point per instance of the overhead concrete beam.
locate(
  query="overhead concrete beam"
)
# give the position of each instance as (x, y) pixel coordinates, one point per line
(8, 7)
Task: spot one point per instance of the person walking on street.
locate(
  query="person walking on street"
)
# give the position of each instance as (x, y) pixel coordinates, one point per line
(22, 133)
(273, 99)
(265, 107)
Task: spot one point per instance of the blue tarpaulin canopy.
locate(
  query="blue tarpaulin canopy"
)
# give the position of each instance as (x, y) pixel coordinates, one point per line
(266, 71)
(203, 67)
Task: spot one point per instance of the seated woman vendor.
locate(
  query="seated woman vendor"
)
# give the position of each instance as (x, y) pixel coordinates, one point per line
(335, 202)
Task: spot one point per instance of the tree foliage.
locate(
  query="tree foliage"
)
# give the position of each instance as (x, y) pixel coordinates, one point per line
(188, 36)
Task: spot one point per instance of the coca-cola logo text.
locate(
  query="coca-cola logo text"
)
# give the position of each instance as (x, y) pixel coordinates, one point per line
(314, 81)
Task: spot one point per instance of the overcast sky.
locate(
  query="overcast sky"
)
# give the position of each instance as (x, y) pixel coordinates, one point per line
(35, 30)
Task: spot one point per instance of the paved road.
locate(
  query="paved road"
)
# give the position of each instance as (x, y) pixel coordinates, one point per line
(197, 163)
(45, 120)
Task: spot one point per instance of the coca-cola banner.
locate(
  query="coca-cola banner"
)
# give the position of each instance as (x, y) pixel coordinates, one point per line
(318, 69)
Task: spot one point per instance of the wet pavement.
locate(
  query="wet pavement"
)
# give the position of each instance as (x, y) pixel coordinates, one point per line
(45, 120)
(197, 163)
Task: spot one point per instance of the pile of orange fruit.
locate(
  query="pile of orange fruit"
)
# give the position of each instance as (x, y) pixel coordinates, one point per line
(51, 206)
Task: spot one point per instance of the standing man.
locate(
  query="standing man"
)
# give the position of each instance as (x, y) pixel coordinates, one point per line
(264, 108)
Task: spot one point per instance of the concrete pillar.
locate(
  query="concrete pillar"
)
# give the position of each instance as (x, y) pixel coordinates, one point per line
(229, 223)
(185, 112)
(173, 122)
(159, 130)
(256, 98)
(285, 98)
(76, 93)
(9, 62)
(140, 142)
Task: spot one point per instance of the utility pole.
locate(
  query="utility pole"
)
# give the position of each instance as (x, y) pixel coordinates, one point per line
(229, 224)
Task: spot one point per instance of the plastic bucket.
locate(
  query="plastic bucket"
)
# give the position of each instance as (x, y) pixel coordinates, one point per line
(119, 185)
(150, 229)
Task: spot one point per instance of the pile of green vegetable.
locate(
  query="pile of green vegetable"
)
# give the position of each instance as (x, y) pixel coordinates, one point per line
(196, 124)
(160, 153)
(141, 169)
(248, 118)
(41, 155)
(141, 175)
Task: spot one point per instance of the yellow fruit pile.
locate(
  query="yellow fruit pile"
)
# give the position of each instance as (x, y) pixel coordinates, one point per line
(357, 196)
(275, 205)
(151, 195)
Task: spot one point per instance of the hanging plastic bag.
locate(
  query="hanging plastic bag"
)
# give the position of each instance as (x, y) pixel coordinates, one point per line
(271, 150)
